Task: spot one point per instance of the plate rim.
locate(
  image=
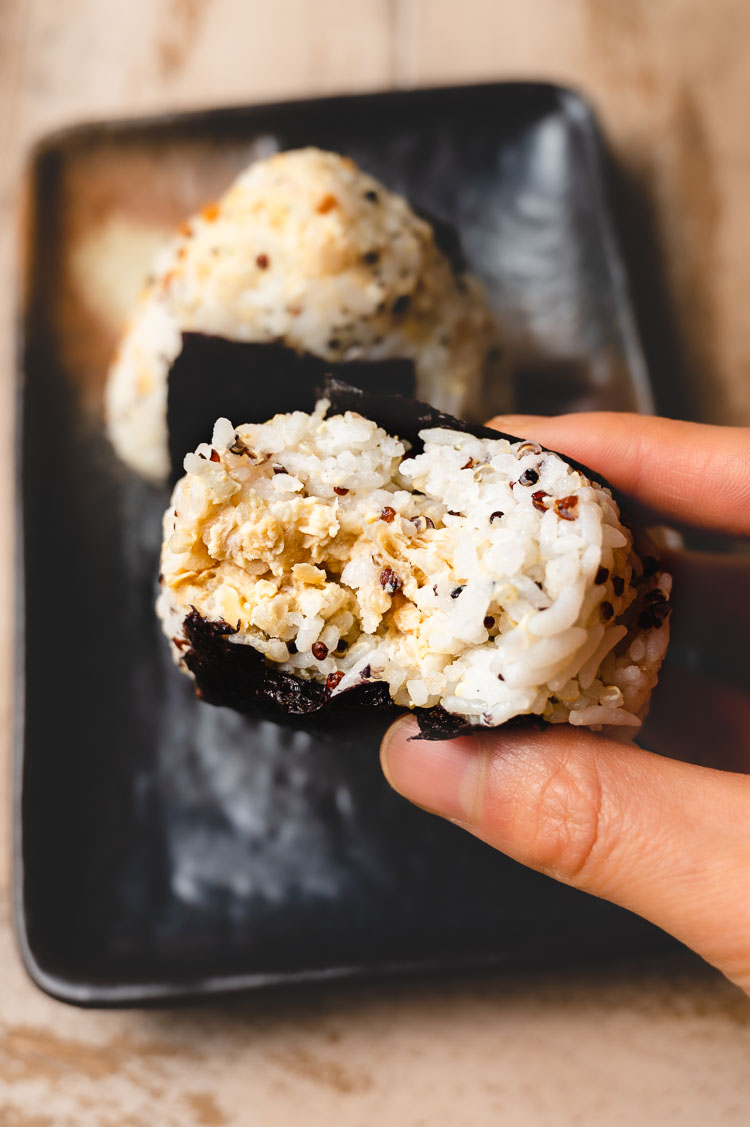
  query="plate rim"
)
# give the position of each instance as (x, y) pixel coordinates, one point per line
(577, 107)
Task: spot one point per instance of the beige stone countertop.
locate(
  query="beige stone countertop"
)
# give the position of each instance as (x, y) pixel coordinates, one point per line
(651, 1042)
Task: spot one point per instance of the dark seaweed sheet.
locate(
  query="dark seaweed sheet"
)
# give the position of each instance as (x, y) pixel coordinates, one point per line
(401, 415)
(213, 377)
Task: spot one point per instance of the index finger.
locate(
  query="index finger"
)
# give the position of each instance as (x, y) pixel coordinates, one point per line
(692, 472)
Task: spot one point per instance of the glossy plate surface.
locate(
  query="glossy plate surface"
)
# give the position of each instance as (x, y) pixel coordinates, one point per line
(165, 848)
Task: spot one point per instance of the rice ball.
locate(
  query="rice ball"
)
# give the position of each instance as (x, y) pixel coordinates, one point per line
(321, 558)
(304, 250)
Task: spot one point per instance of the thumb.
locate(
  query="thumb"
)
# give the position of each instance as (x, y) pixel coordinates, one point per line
(668, 840)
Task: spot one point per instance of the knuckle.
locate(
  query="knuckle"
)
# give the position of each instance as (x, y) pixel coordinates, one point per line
(567, 820)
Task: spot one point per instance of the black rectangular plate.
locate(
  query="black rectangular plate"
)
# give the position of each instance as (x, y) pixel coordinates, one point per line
(168, 849)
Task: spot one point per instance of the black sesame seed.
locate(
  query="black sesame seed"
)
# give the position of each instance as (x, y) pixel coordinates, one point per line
(602, 576)
(457, 591)
(489, 622)
(618, 585)
(528, 477)
(341, 645)
(497, 515)
(371, 196)
(292, 647)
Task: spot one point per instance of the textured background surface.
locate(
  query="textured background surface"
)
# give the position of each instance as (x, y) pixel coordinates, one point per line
(660, 1043)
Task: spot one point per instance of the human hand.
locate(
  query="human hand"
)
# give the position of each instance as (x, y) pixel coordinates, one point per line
(666, 835)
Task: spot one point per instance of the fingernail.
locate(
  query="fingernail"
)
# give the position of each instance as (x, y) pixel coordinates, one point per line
(511, 424)
(441, 776)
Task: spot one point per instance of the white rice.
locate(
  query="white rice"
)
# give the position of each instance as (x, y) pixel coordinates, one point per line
(488, 577)
(306, 250)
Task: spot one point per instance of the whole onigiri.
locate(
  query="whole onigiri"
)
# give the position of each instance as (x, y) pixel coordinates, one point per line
(307, 251)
